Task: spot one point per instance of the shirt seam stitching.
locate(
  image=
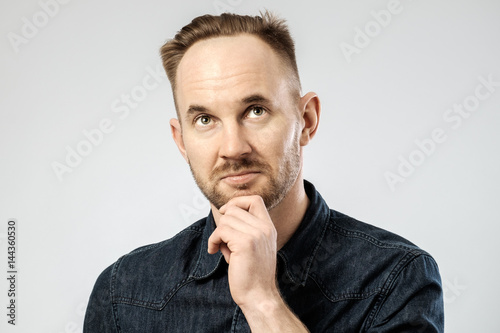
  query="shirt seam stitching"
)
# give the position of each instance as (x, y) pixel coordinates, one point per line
(112, 286)
(344, 296)
(361, 235)
(390, 283)
(160, 305)
(152, 246)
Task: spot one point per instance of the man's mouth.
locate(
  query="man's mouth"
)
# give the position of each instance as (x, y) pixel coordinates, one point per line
(239, 178)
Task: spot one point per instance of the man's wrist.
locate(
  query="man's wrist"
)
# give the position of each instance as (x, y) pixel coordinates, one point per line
(272, 315)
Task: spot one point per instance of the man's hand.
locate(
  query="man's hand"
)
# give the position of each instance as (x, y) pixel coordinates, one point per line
(247, 238)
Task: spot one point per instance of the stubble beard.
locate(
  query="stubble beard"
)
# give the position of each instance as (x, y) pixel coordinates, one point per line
(273, 192)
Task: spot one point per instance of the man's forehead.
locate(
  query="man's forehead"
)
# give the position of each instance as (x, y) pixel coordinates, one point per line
(226, 52)
(224, 63)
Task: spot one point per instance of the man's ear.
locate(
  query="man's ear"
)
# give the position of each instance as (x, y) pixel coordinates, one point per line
(310, 110)
(175, 126)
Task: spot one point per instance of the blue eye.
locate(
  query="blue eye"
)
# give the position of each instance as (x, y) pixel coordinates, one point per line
(256, 111)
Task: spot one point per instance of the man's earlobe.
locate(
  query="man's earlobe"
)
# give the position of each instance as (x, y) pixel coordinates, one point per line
(175, 127)
(310, 108)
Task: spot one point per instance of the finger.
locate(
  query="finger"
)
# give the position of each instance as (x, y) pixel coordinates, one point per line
(252, 204)
(214, 243)
(223, 234)
(244, 202)
(239, 218)
(225, 251)
(234, 239)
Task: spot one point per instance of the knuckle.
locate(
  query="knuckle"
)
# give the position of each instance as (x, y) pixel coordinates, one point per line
(271, 232)
(221, 229)
(257, 199)
(230, 210)
(223, 221)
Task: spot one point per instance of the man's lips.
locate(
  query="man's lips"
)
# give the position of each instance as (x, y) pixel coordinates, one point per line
(240, 177)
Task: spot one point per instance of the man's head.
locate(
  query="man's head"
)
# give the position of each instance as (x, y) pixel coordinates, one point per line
(242, 123)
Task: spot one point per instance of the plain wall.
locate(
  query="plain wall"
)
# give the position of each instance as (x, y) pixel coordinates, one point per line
(67, 69)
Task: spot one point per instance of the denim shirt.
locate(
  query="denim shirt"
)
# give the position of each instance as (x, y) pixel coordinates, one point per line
(336, 274)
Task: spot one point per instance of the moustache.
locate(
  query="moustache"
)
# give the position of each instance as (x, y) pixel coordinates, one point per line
(238, 166)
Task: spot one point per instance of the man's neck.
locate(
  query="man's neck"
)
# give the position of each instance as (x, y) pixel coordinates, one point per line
(288, 214)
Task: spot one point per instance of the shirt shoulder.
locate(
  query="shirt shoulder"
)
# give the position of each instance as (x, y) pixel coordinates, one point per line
(149, 275)
(351, 228)
(358, 260)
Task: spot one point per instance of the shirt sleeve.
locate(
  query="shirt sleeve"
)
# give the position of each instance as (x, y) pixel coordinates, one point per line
(414, 300)
(99, 316)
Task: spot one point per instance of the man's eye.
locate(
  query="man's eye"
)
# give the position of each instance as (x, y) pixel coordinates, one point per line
(203, 120)
(256, 111)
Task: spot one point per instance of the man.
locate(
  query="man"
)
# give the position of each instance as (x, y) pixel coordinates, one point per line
(271, 256)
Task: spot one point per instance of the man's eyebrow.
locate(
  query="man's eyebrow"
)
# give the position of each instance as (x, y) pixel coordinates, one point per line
(194, 109)
(256, 98)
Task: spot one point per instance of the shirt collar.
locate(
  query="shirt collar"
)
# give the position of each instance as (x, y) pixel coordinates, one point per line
(207, 263)
(297, 254)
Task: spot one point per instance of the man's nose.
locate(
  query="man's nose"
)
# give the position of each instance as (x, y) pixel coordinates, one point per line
(234, 142)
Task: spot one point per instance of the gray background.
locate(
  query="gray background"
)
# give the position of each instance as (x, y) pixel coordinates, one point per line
(70, 73)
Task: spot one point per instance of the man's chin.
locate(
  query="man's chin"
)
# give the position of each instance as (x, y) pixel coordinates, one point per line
(222, 191)
(230, 192)
(238, 191)
(243, 192)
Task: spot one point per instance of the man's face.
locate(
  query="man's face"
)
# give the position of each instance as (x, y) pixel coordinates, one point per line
(240, 124)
